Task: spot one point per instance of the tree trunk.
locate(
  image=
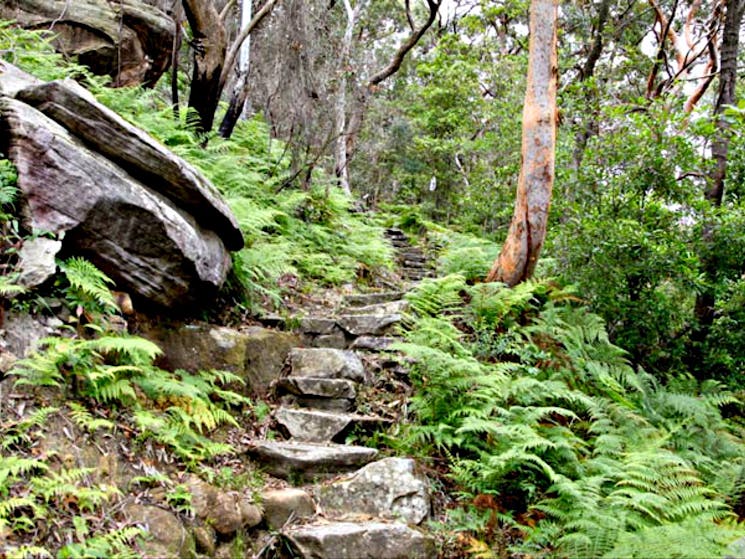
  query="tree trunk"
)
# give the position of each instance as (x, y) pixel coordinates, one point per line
(341, 167)
(240, 89)
(210, 46)
(527, 232)
(235, 108)
(705, 301)
(355, 120)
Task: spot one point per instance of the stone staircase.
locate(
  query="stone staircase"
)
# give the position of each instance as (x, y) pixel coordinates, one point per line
(411, 259)
(364, 506)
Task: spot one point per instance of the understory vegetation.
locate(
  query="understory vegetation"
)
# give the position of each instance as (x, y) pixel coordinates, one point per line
(555, 444)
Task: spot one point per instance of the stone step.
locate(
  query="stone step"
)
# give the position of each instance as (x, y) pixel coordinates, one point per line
(360, 540)
(367, 324)
(380, 309)
(315, 426)
(318, 387)
(390, 488)
(318, 393)
(374, 343)
(306, 461)
(326, 363)
(364, 299)
(412, 253)
(317, 325)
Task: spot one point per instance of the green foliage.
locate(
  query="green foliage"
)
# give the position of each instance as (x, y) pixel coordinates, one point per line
(175, 409)
(524, 394)
(36, 490)
(88, 287)
(33, 52)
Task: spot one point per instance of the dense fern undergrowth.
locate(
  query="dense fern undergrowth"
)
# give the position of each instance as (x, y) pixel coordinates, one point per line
(556, 445)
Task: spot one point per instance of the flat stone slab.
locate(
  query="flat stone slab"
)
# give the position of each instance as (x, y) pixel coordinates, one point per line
(381, 309)
(317, 325)
(364, 540)
(326, 363)
(320, 426)
(318, 387)
(374, 343)
(364, 299)
(367, 324)
(306, 461)
(388, 488)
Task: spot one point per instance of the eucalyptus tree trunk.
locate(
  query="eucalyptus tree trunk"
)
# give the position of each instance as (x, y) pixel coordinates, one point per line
(704, 307)
(341, 166)
(240, 88)
(519, 255)
(213, 61)
(210, 45)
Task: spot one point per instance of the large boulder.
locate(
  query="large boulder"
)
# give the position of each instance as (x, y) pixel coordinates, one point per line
(127, 40)
(135, 235)
(105, 132)
(255, 354)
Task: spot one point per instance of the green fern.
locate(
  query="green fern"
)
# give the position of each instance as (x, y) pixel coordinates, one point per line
(525, 395)
(88, 286)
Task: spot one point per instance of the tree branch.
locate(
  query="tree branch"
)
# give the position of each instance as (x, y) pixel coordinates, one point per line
(245, 32)
(406, 46)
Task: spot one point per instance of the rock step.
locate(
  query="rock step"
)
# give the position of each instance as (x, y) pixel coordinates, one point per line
(326, 363)
(380, 309)
(390, 488)
(374, 343)
(363, 540)
(318, 387)
(364, 299)
(367, 324)
(317, 426)
(306, 461)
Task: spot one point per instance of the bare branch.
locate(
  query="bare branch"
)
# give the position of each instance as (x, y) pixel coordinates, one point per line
(226, 9)
(406, 46)
(245, 32)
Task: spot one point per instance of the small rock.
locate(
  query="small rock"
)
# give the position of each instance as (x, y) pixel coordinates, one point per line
(388, 488)
(168, 537)
(227, 515)
(7, 360)
(37, 262)
(250, 514)
(280, 504)
(206, 540)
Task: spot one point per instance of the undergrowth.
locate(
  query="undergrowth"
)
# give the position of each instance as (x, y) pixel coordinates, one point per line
(100, 382)
(557, 446)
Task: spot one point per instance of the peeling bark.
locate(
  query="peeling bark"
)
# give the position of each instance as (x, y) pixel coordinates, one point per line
(519, 255)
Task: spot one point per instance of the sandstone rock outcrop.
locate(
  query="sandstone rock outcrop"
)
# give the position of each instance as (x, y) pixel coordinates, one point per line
(127, 40)
(111, 193)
